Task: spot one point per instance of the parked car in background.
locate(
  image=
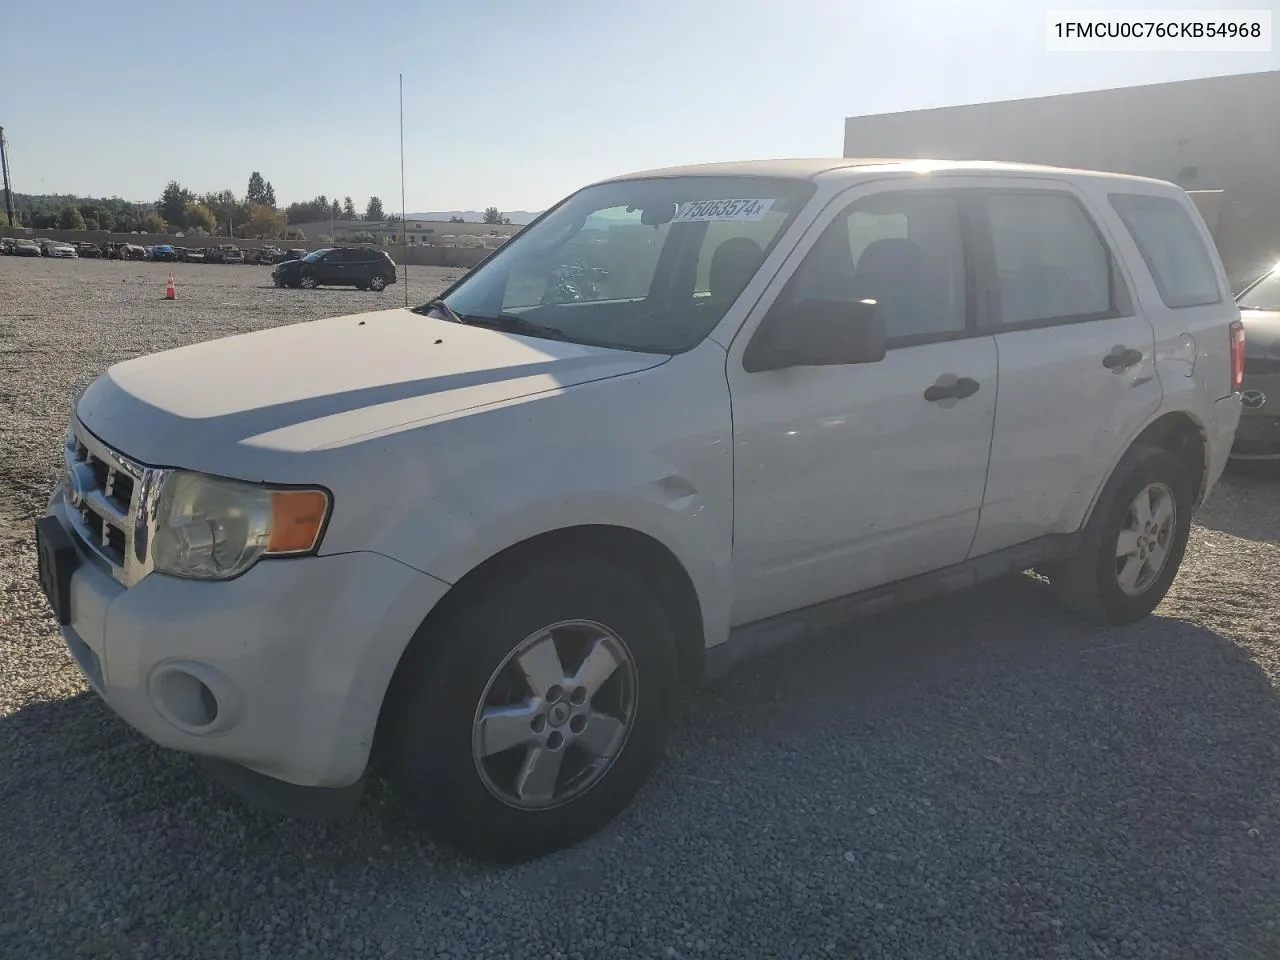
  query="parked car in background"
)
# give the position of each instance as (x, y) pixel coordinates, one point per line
(26, 248)
(294, 253)
(131, 251)
(365, 268)
(59, 248)
(6, 246)
(192, 255)
(90, 250)
(232, 254)
(266, 255)
(1258, 436)
(163, 252)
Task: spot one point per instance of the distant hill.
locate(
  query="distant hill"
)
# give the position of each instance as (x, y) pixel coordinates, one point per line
(520, 217)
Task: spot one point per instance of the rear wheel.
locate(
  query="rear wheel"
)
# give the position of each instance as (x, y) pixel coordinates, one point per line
(1134, 542)
(533, 712)
(377, 283)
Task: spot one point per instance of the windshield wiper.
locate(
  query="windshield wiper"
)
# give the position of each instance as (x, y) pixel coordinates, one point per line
(443, 307)
(510, 323)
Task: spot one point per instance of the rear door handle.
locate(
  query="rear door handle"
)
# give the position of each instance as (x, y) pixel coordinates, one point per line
(950, 388)
(1121, 358)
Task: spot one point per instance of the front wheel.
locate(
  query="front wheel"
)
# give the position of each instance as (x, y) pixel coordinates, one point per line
(308, 282)
(377, 284)
(529, 716)
(1134, 542)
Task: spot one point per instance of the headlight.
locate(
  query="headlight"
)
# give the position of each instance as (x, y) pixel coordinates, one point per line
(208, 528)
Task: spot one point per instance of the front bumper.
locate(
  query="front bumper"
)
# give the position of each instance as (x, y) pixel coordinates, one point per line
(1258, 436)
(275, 677)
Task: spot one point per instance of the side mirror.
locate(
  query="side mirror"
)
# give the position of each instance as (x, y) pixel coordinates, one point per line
(817, 333)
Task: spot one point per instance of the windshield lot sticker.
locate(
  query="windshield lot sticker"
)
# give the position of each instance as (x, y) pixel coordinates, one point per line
(705, 211)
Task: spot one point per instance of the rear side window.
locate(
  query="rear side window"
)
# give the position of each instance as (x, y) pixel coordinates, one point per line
(1171, 246)
(1051, 263)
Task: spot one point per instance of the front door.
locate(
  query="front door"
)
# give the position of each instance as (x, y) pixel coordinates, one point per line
(333, 268)
(848, 477)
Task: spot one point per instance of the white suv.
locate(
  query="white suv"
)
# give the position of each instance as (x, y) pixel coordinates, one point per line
(685, 415)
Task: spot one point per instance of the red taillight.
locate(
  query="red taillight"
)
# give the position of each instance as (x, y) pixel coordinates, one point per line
(1237, 355)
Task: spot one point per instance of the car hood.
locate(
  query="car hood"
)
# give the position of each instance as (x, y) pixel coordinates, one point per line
(253, 401)
(1261, 333)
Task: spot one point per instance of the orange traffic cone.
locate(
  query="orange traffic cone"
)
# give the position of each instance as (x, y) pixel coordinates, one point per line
(169, 292)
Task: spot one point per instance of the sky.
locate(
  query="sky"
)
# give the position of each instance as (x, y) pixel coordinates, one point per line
(506, 103)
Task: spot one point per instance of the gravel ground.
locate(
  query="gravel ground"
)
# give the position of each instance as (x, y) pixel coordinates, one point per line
(980, 777)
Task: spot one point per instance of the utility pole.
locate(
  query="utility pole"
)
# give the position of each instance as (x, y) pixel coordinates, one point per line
(8, 188)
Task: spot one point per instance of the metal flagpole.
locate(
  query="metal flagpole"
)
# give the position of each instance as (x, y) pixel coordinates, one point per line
(404, 227)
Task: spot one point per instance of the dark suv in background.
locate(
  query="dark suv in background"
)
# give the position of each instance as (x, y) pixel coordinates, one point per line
(365, 268)
(1258, 436)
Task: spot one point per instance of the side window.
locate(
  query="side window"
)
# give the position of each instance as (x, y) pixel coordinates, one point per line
(903, 250)
(1171, 246)
(1050, 260)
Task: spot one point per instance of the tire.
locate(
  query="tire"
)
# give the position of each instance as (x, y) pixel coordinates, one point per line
(1095, 583)
(308, 282)
(434, 734)
(377, 283)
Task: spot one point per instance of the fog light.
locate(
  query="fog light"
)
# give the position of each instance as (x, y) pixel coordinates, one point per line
(194, 698)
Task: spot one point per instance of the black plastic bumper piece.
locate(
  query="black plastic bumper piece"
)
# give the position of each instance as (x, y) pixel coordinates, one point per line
(285, 799)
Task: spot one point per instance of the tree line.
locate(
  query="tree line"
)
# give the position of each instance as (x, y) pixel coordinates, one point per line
(255, 215)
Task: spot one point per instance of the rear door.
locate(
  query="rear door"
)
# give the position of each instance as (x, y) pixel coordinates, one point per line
(1077, 359)
(371, 262)
(336, 268)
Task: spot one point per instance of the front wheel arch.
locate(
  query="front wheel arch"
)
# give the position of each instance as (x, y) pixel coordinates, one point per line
(634, 552)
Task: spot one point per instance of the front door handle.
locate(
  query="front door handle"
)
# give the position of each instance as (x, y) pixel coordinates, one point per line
(951, 388)
(1121, 358)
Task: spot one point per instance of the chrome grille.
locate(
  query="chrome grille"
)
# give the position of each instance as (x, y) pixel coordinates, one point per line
(104, 493)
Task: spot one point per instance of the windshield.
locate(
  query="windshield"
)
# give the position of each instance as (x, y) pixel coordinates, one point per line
(315, 255)
(648, 265)
(1264, 294)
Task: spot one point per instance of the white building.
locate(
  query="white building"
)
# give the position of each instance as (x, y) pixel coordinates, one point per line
(1218, 136)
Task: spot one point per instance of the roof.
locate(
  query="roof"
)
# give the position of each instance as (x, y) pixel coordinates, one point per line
(810, 169)
(798, 168)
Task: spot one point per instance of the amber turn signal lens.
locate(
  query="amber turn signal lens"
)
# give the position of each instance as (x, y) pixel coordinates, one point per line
(297, 517)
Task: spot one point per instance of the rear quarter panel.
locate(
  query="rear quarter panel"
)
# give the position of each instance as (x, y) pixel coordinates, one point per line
(1193, 349)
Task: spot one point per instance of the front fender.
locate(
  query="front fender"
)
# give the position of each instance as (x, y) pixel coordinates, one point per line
(650, 452)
